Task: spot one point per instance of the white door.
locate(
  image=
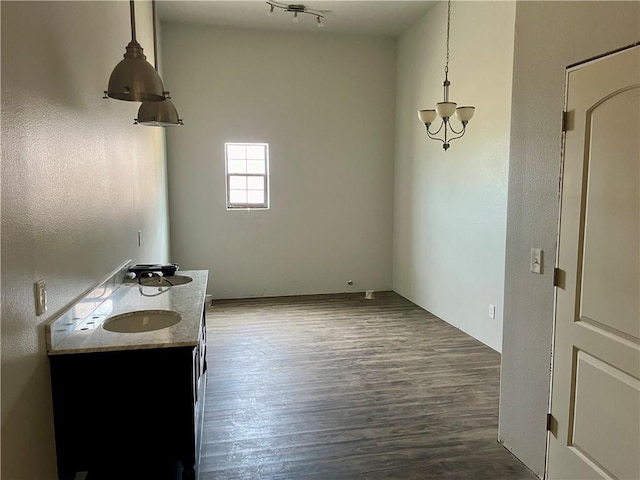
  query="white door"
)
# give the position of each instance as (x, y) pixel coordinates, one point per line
(595, 399)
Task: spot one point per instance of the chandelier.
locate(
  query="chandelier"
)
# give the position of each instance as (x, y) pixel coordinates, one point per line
(446, 109)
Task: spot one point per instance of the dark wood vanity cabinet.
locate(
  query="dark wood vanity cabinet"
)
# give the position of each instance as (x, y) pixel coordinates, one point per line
(130, 414)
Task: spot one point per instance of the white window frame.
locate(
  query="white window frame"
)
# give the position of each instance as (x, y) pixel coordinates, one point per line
(265, 176)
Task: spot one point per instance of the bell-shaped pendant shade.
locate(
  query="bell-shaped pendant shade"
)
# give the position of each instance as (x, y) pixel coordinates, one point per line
(159, 114)
(134, 79)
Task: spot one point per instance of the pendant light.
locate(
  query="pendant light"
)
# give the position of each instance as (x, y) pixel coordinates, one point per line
(446, 109)
(158, 114)
(134, 79)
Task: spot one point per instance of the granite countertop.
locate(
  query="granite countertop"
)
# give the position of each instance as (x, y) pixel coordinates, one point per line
(77, 333)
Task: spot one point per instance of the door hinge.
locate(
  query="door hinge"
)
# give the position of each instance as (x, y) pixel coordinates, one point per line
(552, 424)
(558, 278)
(567, 120)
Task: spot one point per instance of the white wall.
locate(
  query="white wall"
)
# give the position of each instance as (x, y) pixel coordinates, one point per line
(450, 207)
(78, 182)
(325, 105)
(549, 36)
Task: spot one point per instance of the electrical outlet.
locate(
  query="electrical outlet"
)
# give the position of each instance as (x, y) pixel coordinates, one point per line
(536, 260)
(492, 311)
(40, 292)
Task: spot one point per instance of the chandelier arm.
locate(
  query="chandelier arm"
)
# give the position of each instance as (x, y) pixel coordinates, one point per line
(457, 132)
(437, 131)
(464, 129)
(432, 136)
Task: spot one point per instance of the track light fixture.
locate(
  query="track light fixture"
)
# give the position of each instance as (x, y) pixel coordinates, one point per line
(446, 109)
(297, 9)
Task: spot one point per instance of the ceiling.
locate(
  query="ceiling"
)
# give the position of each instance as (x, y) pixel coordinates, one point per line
(364, 17)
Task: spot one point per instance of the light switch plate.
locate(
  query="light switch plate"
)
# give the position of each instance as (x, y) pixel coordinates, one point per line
(40, 292)
(536, 260)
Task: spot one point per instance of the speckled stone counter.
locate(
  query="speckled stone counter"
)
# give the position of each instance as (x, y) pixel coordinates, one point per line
(80, 330)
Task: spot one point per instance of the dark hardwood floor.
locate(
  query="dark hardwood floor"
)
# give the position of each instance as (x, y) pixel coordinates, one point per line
(339, 387)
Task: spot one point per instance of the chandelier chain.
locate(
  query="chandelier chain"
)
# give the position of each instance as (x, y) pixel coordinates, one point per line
(446, 67)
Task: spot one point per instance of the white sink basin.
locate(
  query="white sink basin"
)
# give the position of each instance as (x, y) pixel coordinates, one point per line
(165, 281)
(141, 321)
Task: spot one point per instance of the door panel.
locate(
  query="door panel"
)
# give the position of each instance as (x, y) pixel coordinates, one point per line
(608, 403)
(595, 396)
(611, 258)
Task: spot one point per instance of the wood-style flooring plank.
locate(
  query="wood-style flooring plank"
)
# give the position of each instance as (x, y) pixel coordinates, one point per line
(341, 387)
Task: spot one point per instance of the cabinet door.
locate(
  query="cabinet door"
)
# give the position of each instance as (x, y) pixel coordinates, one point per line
(124, 408)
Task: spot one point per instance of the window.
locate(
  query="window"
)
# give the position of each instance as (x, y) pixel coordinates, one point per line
(247, 166)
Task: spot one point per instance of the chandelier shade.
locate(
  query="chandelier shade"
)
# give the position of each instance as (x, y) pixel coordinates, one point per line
(465, 114)
(427, 116)
(446, 109)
